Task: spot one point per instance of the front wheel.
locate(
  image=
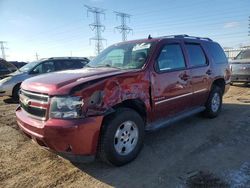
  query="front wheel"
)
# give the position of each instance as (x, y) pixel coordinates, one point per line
(15, 93)
(214, 103)
(122, 137)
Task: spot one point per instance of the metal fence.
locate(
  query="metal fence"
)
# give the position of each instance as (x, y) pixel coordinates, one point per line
(233, 52)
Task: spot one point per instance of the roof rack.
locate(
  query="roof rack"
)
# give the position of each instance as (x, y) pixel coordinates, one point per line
(188, 37)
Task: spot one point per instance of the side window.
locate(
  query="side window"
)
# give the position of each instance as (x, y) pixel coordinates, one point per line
(216, 52)
(69, 64)
(196, 55)
(171, 58)
(45, 67)
(79, 64)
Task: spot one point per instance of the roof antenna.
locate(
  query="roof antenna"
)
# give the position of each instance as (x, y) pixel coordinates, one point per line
(149, 36)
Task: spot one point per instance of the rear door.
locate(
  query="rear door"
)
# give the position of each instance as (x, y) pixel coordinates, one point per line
(171, 89)
(200, 71)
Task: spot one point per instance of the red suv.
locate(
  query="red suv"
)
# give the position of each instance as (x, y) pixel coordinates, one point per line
(104, 109)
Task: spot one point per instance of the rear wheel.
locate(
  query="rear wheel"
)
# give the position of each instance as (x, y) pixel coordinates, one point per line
(121, 137)
(214, 103)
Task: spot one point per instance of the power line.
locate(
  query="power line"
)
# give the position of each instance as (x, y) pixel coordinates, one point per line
(138, 25)
(97, 27)
(3, 48)
(123, 28)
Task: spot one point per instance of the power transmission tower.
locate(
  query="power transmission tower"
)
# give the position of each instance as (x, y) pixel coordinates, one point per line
(37, 56)
(97, 27)
(123, 28)
(249, 26)
(3, 49)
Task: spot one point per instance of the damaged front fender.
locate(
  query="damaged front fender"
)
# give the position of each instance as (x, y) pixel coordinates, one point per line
(102, 95)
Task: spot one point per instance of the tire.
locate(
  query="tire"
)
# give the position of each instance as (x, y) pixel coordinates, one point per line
(118, 141)
(214, 102)
(15, 93)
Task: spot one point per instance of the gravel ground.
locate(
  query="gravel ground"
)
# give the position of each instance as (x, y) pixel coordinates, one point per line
(195, 152)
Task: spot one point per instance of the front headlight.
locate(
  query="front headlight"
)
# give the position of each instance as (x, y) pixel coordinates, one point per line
(66, 107)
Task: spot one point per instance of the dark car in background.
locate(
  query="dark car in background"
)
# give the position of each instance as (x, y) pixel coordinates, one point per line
(18, 64)
(240, 67)
(9, 86)
(6, 68)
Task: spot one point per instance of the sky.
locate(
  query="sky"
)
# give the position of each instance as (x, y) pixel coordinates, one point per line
(61, 27)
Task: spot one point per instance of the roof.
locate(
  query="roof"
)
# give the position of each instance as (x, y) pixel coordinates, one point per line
(183, 36)
(59, 58)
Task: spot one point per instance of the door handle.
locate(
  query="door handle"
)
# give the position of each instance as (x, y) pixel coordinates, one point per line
(209, 72)
(184, 77)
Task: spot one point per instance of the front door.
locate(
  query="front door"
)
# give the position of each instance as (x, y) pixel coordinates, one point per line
(171, 88)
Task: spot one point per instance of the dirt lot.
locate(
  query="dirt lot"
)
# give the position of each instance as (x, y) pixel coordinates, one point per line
(190, 153)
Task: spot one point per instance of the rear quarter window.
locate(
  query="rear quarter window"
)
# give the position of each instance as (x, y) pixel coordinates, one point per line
(217, 53)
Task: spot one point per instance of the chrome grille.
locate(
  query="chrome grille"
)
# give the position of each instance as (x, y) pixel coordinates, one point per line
(34, 104)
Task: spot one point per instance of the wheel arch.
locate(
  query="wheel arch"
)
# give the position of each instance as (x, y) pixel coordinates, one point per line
(220, 82)
(15, 86)
(136, 104)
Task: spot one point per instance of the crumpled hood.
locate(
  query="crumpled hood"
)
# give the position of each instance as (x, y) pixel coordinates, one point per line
(60, 83)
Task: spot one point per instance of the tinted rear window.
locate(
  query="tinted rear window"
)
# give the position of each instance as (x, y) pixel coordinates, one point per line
(196, 55)
(216, 52)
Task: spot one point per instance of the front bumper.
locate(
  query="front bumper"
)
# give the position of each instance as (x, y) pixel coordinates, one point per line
(240, 78)
(77, 137)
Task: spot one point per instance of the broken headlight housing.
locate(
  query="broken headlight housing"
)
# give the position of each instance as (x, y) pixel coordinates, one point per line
(66, 107)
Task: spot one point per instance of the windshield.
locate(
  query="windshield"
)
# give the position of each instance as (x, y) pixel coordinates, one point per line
(245, 54)
(123, 56)
(29, 66)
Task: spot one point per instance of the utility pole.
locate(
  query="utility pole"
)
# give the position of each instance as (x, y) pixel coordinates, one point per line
(3, 49)
(249, 26)
(97, 27)
(37, 56)
(123, 28)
